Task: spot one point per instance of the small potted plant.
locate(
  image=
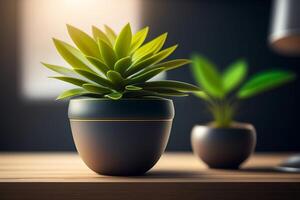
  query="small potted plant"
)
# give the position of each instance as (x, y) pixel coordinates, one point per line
(120, 120)
(225, 143)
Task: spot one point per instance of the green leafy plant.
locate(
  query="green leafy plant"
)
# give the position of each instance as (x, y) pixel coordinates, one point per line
(223, 90)
(107, 65)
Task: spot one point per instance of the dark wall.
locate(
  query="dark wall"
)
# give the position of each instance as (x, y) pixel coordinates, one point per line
(221, 30)
(25, 125)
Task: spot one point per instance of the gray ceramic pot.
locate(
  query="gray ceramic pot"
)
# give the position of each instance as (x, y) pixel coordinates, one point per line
(124, 137)
(224, 148)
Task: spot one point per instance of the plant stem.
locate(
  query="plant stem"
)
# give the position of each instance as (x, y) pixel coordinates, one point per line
(222, 111)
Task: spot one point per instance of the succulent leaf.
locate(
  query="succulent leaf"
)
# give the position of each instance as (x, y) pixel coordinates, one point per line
(146, 56)
(167, 92)
(95, 78)
(145, 76)
(74, 81)
(84, 42)
(175, 85)
(71, 93)
(150, 61)
(158, 92)
(100, 35)
(60, 70)
(110, 34)
(123, 42)
(169, 65)
(114, 96)
(107, 53)
(98, 64)
(151, 47)
(122, 64)
(73, 56)
(96, 89)
(133, 88)
(138, 39)
(116, 79)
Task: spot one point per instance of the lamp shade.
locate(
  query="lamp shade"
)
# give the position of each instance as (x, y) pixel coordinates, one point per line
(285, 27)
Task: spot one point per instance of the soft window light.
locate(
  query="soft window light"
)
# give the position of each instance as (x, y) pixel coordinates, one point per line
(40, 20)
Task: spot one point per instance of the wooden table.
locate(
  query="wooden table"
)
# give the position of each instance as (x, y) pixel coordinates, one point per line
(176, 176)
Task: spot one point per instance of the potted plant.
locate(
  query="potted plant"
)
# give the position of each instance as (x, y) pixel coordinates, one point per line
(225, 143)
(120, 120)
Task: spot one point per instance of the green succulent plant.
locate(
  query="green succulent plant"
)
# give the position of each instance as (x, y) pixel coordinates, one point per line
(223, 90)
(107, 65)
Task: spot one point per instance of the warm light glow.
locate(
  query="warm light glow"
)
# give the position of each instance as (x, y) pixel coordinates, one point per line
(40, 20)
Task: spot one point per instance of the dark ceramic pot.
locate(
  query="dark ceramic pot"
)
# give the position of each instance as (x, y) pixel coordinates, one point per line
(224, 148)
(124, 137)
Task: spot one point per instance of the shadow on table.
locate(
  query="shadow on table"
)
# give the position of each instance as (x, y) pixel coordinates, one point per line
(270, 169)
(202, 174)
(173, 174)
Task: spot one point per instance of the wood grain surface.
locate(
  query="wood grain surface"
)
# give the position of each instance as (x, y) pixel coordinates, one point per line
(176, 176)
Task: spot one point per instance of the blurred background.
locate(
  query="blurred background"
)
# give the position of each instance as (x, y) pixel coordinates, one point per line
(31, 120)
